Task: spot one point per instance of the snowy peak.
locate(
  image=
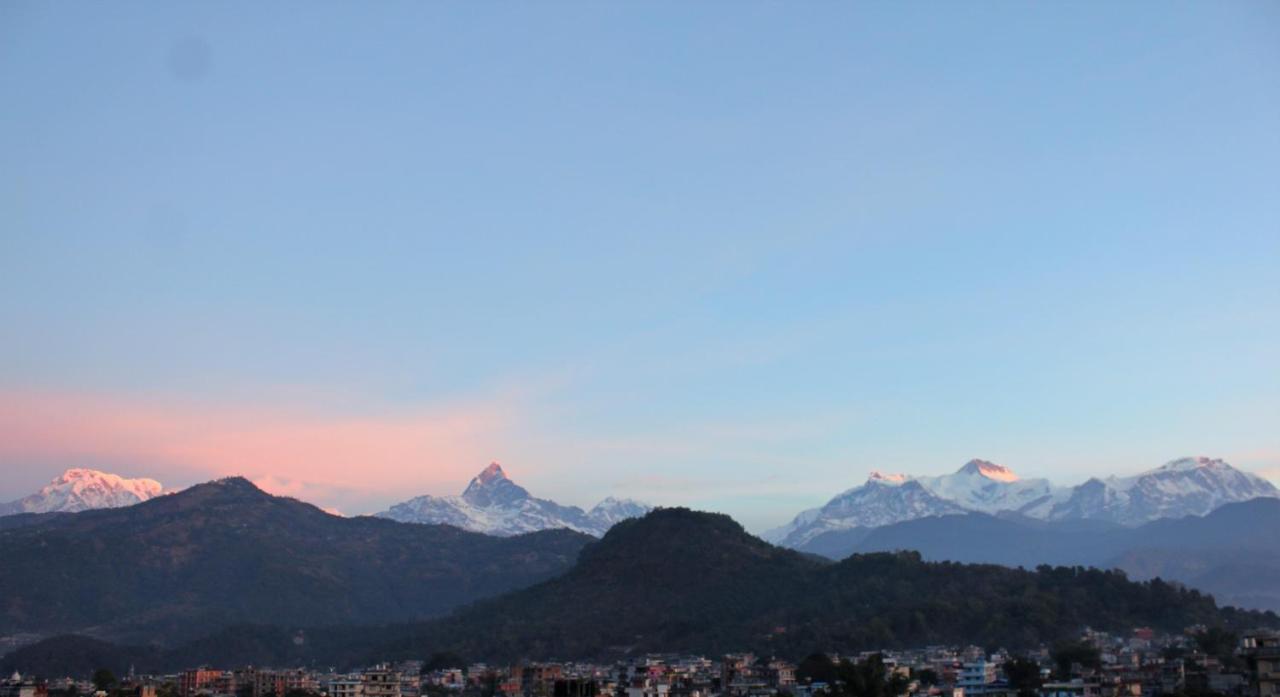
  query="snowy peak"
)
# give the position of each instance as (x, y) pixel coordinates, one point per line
(492, 488)
(490, 474)
(494, 504)
(889, 479)
(883, 500)
(990, 470)
(1186, 486)
(984, 486)
(1190, 464)
(1182, 487)
(81, 489)
(611, 511)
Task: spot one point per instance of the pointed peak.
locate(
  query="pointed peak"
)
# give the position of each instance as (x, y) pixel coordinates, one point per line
(491, 474)
(990, 470)
(492, 487)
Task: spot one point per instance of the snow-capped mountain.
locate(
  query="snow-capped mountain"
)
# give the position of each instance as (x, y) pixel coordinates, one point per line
(1189, 486)
(882, 500)
(495, 505)
(85, 489)
(612, 510)
(990, 488)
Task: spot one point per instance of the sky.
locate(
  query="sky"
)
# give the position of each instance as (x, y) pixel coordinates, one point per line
(732, 256)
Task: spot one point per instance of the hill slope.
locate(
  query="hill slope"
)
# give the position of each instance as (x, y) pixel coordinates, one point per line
(179, 566)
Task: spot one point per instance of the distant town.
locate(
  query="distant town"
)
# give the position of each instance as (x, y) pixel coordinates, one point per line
(1197, 662)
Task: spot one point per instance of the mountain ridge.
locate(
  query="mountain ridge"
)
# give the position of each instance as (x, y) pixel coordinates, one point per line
(226, 551)
(82, 489)
(1180, 487)
(495, 505)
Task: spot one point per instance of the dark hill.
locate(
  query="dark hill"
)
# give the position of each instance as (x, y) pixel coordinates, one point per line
(678, 580)
(180, 566)
(673, 580)
(682, 581)
(18, 520)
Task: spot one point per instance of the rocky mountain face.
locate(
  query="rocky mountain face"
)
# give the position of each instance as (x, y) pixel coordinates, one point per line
(83, 490)
(226, 552)
(495, 505)
(1189, 486)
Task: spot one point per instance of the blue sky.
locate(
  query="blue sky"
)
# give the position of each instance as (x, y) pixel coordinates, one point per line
(731, 256)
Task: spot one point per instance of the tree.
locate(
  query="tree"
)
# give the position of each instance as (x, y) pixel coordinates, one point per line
(816, 667)
(870, 678)
(927, 676)
(1068, 654)
(1219, 643)
(441, 660)
(104, 679)
(1023, 675)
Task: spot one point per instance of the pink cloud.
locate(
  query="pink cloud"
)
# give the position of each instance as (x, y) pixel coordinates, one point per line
(348, 459)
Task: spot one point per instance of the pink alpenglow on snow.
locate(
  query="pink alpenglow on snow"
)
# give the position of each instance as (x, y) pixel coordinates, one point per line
(81, 489)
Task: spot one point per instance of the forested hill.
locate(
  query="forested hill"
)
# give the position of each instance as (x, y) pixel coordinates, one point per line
(176, 567)
(679, 580)
(684, 581)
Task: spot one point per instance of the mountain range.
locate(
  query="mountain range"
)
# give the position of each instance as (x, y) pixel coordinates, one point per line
(1233, 552)
(685, 581)
(181, 565)
(1188, 486)
(495, 505)
(492, 504)
(83, 490)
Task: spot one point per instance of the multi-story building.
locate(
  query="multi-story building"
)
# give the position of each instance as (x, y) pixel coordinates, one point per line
(380, 681)
(976, 677)
(346, 686)
(540, 678)
(781, 674)
(1262, 650)
(196, 680)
